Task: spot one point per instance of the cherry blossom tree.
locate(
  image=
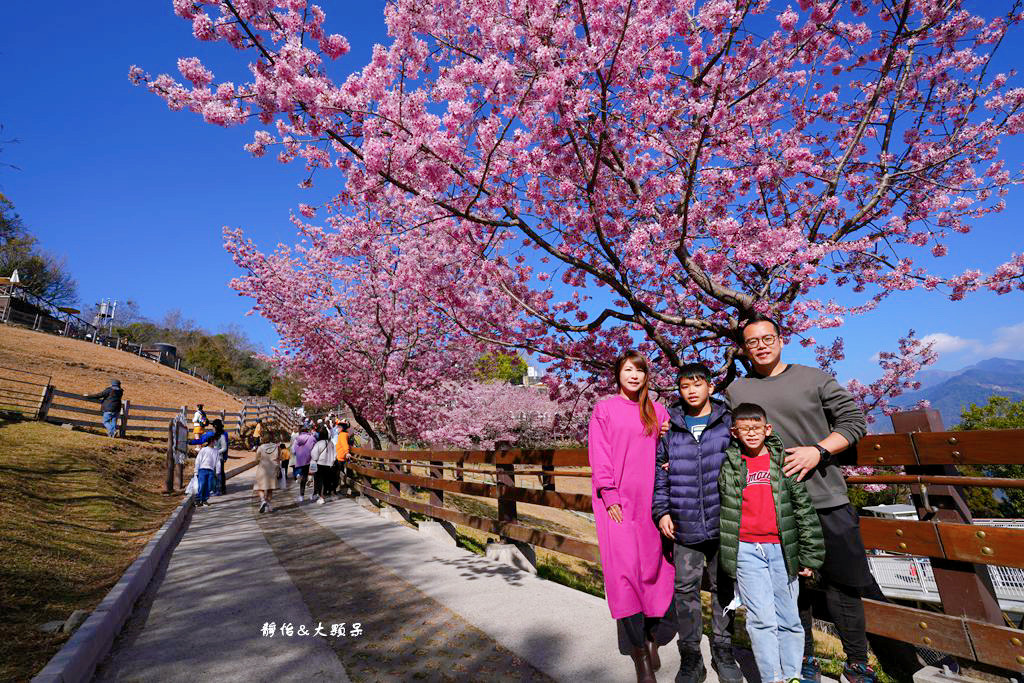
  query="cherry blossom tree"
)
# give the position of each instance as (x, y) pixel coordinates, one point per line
(353, 332)
(481, 415)
(677, 166)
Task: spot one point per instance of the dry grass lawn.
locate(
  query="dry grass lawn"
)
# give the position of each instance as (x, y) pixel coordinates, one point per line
(76, 510)
(84, 368)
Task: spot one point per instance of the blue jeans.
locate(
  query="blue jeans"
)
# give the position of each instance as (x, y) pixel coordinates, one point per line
(110, 422)
(773, 620)
(207, 480)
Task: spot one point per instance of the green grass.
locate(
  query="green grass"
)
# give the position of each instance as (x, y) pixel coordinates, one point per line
(75, 511)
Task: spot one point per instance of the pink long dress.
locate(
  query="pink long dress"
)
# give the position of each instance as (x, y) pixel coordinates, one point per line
(637, 575)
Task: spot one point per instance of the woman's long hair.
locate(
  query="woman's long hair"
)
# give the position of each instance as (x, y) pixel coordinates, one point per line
(647, 413)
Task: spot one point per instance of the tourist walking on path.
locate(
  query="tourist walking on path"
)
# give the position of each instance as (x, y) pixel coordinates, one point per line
(257, 435)
(286, 455)
(816, 419)
(268, 460)
(221, 443)
(323, 456)
(207, 468)
(770, 533)
(638, 577)
(301, 448)
(341, 449)
(110, 405)
(686, 509)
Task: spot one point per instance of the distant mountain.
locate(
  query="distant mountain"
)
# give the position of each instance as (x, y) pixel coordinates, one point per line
(950, 391)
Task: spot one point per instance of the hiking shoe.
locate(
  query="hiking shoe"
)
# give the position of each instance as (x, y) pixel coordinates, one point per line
(810, 672)
(858, 673)
(691, 667)
(723, 661)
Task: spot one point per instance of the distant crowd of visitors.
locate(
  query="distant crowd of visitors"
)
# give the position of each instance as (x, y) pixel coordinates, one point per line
(319, 449)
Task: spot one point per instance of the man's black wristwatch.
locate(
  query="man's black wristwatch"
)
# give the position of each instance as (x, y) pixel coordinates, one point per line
(826, 455)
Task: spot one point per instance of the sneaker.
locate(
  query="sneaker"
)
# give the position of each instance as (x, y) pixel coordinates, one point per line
(299, 499)
(723, 661)
(691, 667)
(269, 508)
(858, 673)
(320, 501)
(810, 672)
(263, 507)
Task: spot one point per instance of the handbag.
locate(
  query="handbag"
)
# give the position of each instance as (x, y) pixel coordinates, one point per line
(312, 466)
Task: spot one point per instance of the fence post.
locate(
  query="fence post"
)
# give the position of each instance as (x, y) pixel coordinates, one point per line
(44, 402)
(171, 429)
(124, 419)
(512, 551)
(965, 589)
(547, 482)
(35, 323)
(505, 479)
(436, 495)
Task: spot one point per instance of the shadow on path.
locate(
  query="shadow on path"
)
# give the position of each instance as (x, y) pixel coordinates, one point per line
(406, 635)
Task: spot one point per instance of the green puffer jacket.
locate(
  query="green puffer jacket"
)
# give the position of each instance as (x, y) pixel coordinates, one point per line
(799, 528)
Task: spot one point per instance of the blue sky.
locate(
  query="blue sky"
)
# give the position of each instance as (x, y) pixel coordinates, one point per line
(134, 195)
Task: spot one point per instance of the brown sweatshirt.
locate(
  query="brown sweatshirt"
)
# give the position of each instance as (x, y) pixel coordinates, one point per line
(804, 405)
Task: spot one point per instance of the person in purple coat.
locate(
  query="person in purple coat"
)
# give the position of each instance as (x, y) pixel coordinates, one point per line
(638, 577)
(302, 447)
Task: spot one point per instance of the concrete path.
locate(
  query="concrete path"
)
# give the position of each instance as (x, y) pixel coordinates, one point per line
(426, 611)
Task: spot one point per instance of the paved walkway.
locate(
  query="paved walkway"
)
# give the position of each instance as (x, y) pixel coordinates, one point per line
(426, 611)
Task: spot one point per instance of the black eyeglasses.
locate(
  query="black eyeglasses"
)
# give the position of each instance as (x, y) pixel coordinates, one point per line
(766, 340)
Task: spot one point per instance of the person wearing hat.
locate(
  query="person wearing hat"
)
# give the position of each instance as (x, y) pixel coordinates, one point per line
(110, 405)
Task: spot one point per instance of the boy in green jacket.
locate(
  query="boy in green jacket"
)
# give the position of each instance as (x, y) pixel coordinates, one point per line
(769, 534)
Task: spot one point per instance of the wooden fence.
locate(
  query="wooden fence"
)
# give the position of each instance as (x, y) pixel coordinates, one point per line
(970, 626)
(34, 397)
(22, 391)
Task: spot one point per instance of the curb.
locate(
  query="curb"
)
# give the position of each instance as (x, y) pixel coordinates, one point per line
(87, 647)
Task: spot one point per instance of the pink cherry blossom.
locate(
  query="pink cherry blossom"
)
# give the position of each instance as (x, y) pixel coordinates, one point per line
(572, 180)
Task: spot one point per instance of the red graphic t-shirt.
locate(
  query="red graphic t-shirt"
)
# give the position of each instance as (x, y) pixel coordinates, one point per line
(757, 522)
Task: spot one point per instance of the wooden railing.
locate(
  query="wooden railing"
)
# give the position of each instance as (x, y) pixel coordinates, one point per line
(971, 626)
(22, 391)
(32, 396)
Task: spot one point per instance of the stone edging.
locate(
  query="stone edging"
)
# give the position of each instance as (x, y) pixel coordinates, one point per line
(87, 647)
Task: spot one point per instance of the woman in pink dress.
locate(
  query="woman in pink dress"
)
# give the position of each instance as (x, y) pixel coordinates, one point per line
(638, 576)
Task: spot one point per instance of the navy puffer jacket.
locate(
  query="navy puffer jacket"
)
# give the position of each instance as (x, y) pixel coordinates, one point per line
(688, 491)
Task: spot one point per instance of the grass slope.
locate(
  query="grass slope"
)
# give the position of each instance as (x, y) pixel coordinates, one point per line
(83, 368)
(76, 510)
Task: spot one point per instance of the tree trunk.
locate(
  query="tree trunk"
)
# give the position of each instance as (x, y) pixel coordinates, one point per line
(367, 427)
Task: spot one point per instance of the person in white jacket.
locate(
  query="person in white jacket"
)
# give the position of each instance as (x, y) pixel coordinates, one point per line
(323, 456)
(208, 465)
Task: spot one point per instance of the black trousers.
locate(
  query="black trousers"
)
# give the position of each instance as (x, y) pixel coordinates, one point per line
(321, 480)
(223, 476)
(846, 579)
(636, 629)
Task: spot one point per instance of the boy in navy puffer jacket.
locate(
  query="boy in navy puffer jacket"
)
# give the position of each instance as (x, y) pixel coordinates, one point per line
(685, 508)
